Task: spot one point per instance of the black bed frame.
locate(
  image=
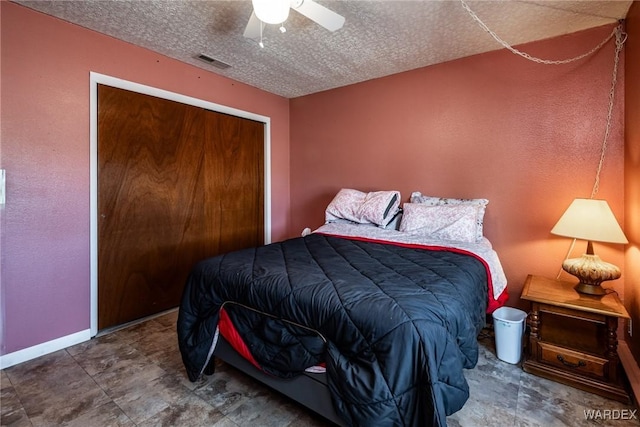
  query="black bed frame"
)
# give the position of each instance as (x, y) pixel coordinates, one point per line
(310, 390)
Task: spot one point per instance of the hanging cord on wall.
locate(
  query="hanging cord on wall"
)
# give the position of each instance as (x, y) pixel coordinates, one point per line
(571, 246)
(621, 38)
(530, 57)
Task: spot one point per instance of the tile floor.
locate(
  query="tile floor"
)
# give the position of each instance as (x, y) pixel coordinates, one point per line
(134, 377)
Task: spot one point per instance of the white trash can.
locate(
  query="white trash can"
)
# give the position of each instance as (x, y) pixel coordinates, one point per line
(508, 325)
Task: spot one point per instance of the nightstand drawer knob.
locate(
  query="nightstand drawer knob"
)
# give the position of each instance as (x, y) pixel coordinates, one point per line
(580, 363)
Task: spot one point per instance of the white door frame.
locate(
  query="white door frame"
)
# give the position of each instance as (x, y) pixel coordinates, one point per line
(95, 80)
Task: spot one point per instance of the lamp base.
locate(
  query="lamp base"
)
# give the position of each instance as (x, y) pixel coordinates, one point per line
(586, 288)
(591, 271)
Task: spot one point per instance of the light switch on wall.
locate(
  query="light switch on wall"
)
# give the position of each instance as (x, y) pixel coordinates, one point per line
(2, 186)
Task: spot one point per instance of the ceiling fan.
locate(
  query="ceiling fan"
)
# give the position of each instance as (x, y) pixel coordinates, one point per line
(277, 11)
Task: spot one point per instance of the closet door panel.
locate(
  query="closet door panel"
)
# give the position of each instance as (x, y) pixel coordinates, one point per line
(237, 173)
(159, 199)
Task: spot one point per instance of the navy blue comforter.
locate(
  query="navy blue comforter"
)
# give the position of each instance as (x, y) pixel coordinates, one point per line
(395, 325)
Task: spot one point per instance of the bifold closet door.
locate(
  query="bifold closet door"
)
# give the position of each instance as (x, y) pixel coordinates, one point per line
(176, 184)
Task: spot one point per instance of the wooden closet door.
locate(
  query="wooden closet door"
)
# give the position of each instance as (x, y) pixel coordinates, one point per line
(176, 184)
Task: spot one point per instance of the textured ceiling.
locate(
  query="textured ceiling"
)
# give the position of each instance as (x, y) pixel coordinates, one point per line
(379, 38)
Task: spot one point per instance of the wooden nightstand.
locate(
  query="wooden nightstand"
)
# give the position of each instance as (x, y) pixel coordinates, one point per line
(573, 337)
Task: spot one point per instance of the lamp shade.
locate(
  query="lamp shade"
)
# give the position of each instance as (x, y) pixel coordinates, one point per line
(590, 219)
(272, 11)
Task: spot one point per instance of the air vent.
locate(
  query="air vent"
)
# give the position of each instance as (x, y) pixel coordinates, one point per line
(211, 61)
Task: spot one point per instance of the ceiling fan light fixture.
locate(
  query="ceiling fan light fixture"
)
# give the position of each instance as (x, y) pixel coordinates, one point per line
(271, 11)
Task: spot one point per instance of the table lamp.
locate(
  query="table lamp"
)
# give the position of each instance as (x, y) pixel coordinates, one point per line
(591, 220)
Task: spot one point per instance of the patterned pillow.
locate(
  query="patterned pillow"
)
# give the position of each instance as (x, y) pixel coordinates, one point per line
(442, 222)
(378, 207)
(417, 197)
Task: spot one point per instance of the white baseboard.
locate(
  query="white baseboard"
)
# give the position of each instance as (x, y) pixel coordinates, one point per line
(36, 351)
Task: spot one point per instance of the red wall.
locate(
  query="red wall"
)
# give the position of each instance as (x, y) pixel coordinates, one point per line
(524, 135)
(46, 62)
(632, 175)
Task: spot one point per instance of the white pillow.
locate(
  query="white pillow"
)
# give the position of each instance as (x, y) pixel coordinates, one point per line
(442, 222)
(417, 197)
(377, 207)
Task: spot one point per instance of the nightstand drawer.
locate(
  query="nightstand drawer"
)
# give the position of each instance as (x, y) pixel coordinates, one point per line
(573, 361)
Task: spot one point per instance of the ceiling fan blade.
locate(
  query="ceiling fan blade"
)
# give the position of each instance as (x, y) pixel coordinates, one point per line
(318, 13)
(252, 30)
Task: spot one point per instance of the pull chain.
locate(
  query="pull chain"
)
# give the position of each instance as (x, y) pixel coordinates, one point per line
(621, 38)
(530, 57)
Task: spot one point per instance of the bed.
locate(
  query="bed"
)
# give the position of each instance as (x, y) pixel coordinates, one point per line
(364, 324)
